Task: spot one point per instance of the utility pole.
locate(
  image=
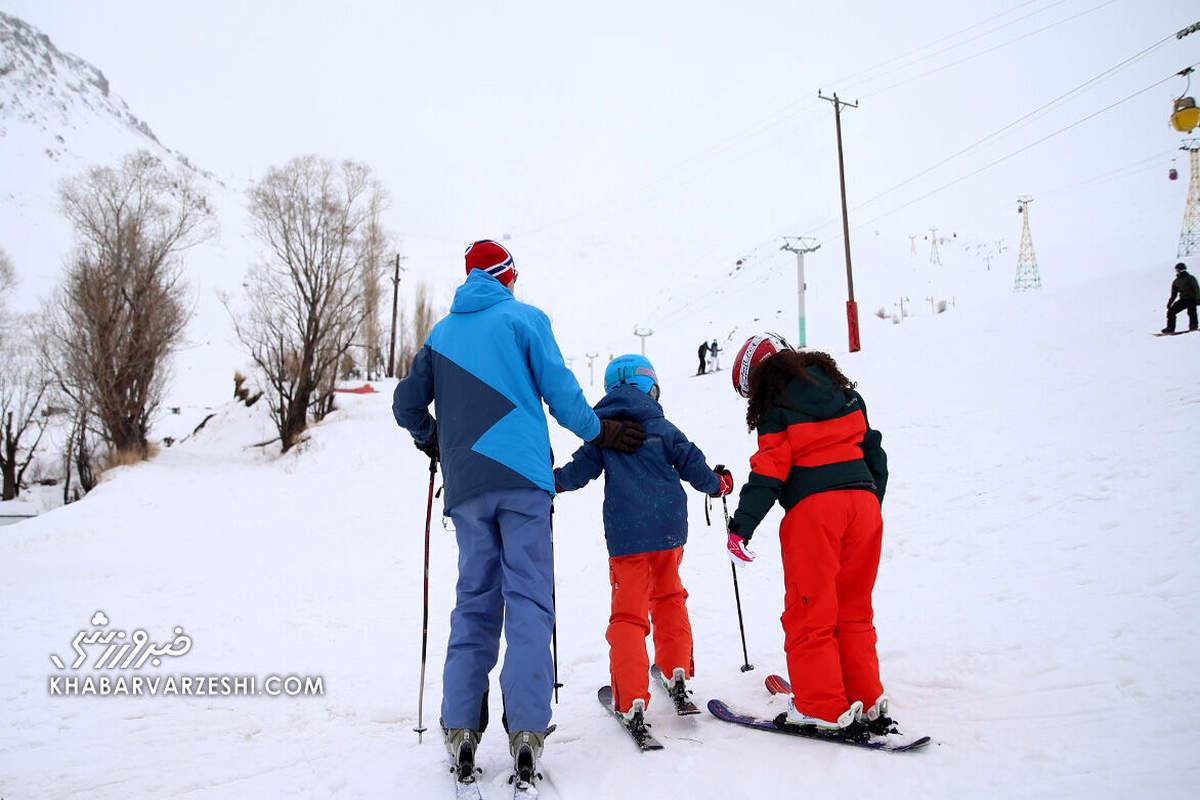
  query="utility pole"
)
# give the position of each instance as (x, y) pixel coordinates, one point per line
(643, 333)
(934, 256)
(391, 370)
(912, 242)
(851, 306)
(591, 357)
(804, 244)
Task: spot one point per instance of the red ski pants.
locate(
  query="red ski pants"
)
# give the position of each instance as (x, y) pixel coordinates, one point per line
(830, 543)
(646, 587)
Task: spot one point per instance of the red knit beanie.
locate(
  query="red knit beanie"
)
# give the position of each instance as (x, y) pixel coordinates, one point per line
(492, 258)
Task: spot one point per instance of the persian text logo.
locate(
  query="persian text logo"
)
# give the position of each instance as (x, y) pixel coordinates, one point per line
(122, 650)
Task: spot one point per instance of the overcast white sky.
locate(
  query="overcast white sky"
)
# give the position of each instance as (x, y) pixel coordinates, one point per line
(686, 128)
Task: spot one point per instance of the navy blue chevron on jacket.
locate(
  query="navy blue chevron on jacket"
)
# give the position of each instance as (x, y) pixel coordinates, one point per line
(487, 366)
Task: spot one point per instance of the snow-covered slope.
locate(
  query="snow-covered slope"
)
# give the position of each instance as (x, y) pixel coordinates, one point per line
(1035, 604)
(59, 117)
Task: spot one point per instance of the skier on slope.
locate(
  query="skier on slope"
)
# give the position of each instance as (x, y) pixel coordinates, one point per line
(487, 367)
(1188, 291)
(702, 352)
(819, 458)
(712, 351)
(645, 526)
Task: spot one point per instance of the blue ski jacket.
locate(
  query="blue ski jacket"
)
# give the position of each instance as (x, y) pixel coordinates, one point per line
(645, 508)
(486, 367)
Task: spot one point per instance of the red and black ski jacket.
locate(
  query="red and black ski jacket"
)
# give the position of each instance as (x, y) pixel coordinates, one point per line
(814, 439)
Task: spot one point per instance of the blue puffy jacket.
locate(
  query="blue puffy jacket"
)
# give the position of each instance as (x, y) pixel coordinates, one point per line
(645, 508)
(487, 366)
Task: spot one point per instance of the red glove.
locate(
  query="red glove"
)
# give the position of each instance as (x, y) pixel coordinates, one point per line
(739, 553)
(726, 481)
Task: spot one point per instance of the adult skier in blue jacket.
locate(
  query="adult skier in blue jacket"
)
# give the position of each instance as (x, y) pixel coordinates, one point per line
(487, 367)
(645, 525)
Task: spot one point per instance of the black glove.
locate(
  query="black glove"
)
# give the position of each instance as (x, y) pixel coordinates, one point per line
(430, 446)
(624, 436)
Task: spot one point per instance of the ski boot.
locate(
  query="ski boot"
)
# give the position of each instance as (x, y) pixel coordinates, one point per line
(677, 687)
(877, 720)
(461, 744)
(847, 725)
(526, 749)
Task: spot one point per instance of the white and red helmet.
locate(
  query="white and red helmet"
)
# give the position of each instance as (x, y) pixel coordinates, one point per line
(757, 348)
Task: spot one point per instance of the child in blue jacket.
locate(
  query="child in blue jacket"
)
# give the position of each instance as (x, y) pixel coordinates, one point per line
(645, 525)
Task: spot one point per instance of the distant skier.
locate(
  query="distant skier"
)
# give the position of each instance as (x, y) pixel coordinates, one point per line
(645, 525)
(487, 367)
(703, 353)
(1186, 289)
(712, 351)
(819, 458)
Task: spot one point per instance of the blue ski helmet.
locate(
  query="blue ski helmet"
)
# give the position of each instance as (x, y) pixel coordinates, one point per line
(634, 370)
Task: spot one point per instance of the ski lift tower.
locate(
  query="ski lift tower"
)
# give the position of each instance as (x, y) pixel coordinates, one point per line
(803, 244)
(1189, 237)
(934, 256)
(642, 333)
(591, 357)
(1027, 268)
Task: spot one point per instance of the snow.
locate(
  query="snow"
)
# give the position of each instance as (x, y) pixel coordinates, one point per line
(1035, 603)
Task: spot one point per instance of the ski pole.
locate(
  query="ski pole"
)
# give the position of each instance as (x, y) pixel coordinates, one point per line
(554, 607)
(420, 729)
(737, 597)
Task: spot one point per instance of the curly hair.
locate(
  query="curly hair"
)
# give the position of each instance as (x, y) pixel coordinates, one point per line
(769, 378)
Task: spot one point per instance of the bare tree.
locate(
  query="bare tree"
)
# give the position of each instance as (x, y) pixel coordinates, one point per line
(23, 385)
(78, 454)
(374, 246)
(8, 275)
(414, 327)
(306, 301)
(122, 307)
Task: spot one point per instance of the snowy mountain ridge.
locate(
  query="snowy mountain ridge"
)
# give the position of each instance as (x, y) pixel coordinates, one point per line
(60, 95)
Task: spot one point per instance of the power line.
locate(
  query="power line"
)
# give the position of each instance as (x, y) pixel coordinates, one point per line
(849, 79)
(992, 49)
(1018, 121)
(1004, 158)
(1121, 172)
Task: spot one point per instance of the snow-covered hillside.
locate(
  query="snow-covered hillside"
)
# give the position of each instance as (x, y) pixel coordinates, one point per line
(1035, 604)
(58, 118)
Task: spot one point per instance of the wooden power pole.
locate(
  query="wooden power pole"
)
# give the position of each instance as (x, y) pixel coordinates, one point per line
(391, 370)
(851, 306)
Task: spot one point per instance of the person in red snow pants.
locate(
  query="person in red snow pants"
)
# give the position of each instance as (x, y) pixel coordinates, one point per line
(645, 528)
(819, 458)
(830, 543)
(646, 586)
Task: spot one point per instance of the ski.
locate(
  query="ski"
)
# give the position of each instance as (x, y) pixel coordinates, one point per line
(1174, 333)
(683, 704)
(523, 790)
(777, 684)
(641, 737)
(466, 784)
(723, 712)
